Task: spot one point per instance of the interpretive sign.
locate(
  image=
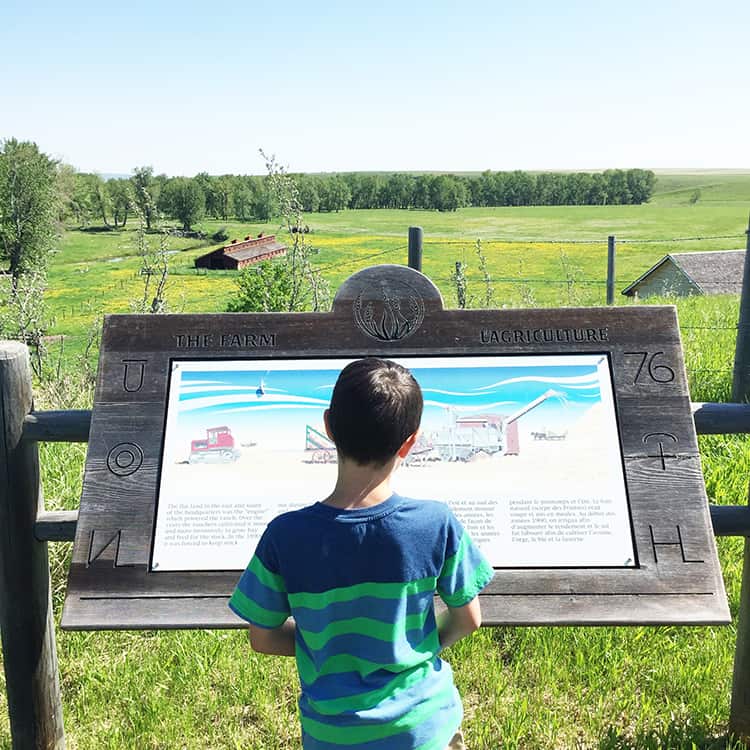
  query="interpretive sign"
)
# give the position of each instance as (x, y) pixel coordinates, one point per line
(562, 439)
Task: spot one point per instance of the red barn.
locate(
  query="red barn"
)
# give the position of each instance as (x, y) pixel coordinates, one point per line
(238, 254)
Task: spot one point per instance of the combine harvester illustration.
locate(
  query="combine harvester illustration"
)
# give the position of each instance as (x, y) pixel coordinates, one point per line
(487, 434)
(320, 446)
(217, 447)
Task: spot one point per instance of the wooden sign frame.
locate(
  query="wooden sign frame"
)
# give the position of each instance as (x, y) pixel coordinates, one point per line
(677, 579)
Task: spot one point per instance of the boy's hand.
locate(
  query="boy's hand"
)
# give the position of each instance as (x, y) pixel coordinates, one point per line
(456, 622)
(278, 641)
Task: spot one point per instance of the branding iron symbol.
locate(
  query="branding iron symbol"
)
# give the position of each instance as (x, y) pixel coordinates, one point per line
(125, 459)
(660, 439)
(389, 313)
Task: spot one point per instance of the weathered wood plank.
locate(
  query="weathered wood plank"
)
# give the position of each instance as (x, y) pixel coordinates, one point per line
(56, 525)
(721, 419)
(520, 610)
(26, 622)
(58, 426)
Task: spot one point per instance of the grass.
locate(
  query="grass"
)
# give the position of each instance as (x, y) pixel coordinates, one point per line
(595, 688)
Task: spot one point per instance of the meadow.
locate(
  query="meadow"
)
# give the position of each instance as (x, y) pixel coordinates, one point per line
(610, 688)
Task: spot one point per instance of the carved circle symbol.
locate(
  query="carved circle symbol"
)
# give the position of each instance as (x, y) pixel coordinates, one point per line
(125, 459)
(389, 311)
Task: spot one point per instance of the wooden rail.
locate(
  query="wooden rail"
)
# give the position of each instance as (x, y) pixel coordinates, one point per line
(73, 426)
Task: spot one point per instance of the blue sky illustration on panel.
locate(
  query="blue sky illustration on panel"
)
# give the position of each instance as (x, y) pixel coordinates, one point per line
(272, 408)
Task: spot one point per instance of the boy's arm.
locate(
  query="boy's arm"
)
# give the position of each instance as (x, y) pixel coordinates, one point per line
(456, 622)
(278, 641)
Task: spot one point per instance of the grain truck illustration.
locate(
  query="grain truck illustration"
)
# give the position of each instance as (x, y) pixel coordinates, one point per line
(217, 447)
(489, 434)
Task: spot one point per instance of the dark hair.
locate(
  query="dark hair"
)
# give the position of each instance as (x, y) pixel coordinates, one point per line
(376, 404)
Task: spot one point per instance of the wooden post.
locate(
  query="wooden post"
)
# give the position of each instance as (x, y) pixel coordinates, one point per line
(611, 269)
(739, 712)
(741, 378)
(28, 632)
(416, 236)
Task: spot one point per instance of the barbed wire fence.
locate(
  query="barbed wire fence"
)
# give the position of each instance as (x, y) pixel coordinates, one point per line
(574, 285)
(709, 339)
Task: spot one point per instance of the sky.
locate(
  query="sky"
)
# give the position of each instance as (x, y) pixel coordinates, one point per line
(388, 86)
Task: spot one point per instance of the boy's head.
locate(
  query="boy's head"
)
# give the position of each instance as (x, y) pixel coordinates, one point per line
(376, 405)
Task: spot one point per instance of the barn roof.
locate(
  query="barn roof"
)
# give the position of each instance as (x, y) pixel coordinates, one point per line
(712, 271)
(247, 249)
(253, 248)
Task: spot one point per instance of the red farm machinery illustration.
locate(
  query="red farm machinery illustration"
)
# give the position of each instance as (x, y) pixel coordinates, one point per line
(217, 447)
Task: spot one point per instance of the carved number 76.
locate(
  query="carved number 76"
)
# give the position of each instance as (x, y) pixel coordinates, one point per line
(658, 373)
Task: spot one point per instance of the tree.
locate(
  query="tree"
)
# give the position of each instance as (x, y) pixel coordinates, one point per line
(28, 208)
(120, 200)
(263, 287)
(145, 193)
(334, 193)
(243, 201)
(99, 198)
(263, 206)
(185, 201)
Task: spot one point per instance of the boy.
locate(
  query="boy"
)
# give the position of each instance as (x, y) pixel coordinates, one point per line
(357, 572)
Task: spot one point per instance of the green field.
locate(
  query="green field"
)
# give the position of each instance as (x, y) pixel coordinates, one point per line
(533, 252)
(528, 688)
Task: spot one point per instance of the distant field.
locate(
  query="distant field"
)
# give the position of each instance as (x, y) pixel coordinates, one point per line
(533, 252)
(727, 186)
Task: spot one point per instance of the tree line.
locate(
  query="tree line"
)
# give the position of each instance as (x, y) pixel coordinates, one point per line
(92, 200)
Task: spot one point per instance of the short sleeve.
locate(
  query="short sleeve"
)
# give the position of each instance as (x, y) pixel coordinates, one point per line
(465, 570)
(260, 596)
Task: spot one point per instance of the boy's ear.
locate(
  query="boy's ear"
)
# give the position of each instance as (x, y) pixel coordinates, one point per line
(408, 444)
(325, 422)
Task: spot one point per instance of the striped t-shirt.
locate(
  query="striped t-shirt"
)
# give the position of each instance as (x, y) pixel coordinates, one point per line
(360, 586)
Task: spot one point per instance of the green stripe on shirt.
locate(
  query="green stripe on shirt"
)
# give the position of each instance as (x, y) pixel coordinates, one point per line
(353, 735)
(383, 631)
(359, 701)
(348, 593)
(482, 576)
(342, 663)
(265, 576)
(268, 618)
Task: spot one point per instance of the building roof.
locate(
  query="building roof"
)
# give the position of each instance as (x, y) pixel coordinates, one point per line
(247, 249)
(252, 248)
(711, 271)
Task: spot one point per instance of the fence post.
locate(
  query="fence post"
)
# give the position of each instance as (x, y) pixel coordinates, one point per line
(741, 377)
(416, 236)
(28, 631)
(611, 269)
(739, 712)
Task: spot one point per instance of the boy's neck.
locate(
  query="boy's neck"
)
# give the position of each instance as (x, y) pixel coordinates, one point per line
(361, 486)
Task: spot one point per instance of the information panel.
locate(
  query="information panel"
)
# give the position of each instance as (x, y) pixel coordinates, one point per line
(563, 440)
(245, 441)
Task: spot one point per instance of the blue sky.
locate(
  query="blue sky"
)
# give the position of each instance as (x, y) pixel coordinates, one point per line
(329, 86)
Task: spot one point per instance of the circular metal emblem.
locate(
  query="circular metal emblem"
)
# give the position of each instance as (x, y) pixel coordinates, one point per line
(125, 459)
(389, 311)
